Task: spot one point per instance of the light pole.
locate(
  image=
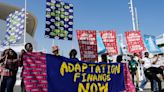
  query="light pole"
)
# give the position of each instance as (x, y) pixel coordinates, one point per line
(132, 14)
(136, 16)
(25, 22)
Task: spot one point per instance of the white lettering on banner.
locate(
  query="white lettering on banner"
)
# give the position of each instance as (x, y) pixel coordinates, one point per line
(88, 47)
(89, 56)
(87, 38)
(111, 50)
(107, 40)
(88, 42)
(131, 39)
(134, 41)
(88, 52)
(108, 35)
(136, 47)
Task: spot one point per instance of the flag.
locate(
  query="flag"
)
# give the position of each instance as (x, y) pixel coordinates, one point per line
(121, 44)
(34, 72)
(100, 44)
(59, 20)
(134, 41)
(129, 86)
(15, 27)
(150, 43)
(88, 45)
(110, 41)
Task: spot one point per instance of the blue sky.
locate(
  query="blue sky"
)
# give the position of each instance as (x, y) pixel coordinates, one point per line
(98, 15)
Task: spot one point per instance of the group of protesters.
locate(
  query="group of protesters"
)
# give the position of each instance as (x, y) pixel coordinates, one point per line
(10, 61)
(152, 71)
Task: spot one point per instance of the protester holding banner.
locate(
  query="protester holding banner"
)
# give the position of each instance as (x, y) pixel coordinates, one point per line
(28, 48)
(73, 54)
(8, 70)
(119, 59)
(104, 58)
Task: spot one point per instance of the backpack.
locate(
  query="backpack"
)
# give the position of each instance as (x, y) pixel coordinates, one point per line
(133, 66)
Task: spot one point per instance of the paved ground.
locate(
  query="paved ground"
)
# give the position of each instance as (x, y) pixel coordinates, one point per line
(18, 89)
(147, 88)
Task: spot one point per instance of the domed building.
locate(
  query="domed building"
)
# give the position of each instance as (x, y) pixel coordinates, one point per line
(31, 24)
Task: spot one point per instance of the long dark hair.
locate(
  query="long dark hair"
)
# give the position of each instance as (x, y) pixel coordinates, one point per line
(14, 56)
(73, 53)
(7, 52)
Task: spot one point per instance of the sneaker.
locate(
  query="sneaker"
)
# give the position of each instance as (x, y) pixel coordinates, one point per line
(140, 89)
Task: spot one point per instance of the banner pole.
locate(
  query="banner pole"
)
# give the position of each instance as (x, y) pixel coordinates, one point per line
(136, 16)
(25, 22)
(132, 14)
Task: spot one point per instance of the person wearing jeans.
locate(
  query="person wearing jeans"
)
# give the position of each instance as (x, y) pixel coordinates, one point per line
(147, 64)
(8, 71)
(8, 83)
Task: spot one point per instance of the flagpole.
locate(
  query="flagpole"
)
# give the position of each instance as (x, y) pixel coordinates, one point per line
(136, 16)
(132, 14)
(25, 22)
(53, 42)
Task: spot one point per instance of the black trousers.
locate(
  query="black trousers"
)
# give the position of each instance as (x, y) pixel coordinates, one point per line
(151, 74)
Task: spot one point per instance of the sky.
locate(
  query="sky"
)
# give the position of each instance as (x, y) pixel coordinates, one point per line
(97, 15)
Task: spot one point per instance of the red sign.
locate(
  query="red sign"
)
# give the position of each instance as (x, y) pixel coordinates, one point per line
(110, 41)
(134, 41)
(88, 45)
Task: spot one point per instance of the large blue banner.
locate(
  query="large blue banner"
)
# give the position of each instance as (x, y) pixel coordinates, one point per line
(150, 42)
(68, 75)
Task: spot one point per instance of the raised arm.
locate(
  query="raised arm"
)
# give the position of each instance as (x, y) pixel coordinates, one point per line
(155, 61)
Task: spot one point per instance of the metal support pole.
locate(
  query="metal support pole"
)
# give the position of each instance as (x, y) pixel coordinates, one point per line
(132, 14)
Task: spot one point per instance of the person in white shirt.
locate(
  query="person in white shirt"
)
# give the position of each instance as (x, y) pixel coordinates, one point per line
(150, 72)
